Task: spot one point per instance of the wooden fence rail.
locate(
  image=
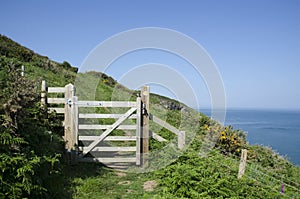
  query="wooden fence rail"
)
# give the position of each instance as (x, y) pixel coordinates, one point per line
(164, 124)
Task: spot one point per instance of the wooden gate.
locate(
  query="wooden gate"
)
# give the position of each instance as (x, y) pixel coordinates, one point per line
(90, 142)
(97, 143)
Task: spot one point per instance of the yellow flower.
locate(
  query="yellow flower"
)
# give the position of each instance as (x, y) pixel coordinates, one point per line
(223, 137)
(206, 127)
(223, 133)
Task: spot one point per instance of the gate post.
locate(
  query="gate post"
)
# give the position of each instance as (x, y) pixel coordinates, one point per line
(69, 120)
(145, 91)
(138, 130)
(74, 126)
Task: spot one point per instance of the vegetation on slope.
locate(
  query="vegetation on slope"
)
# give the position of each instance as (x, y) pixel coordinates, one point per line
(32, 162)
(28, 168)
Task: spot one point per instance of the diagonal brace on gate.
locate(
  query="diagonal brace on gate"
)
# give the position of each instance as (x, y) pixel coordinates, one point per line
(109, 130)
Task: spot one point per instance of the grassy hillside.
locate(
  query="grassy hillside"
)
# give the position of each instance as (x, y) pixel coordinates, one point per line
(206, 169)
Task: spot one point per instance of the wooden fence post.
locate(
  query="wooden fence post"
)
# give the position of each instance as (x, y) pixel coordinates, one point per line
(22, 70)
(242, 166)
(145, 91)
(181, 139)
(74, 128)
(138, 130)
(43, 93)
(69, 119)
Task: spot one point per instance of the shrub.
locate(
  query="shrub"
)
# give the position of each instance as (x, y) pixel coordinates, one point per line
(25, 163)
(231, 141)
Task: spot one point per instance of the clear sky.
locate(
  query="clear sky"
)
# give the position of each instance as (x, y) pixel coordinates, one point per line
(255, 44)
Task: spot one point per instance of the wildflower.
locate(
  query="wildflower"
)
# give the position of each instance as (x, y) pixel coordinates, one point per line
(206, 127)
(223, 135)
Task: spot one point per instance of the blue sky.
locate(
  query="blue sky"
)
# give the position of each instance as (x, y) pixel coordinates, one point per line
(255, 44)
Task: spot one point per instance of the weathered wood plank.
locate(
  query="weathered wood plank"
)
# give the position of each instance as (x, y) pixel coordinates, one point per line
(57, 110)
(56, 89)
(108, 138)
(181, 139)
(56, 100)
(106, 104)
(69, 118)
(101, 127)
(43, 93)
(109, 130)
(164, 124)
(74, 128)
(242, 166)
(138, 130)
(114, 149)
(157, 137)
(108, 160)
(103, 116)
(145, 92)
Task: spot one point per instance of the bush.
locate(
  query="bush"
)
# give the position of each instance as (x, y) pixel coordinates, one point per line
(25, 163)
(231, 141)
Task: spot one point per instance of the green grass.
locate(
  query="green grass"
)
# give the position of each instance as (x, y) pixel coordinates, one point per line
(90, 183)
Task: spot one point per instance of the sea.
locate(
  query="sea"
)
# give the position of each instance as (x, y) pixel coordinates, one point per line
(278, 129)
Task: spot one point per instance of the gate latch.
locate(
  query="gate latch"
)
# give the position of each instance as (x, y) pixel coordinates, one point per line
(69, 102)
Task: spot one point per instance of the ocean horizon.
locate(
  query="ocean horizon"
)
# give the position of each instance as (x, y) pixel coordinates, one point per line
(275, 128)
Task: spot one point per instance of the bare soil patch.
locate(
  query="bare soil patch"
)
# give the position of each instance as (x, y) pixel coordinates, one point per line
(149, 185)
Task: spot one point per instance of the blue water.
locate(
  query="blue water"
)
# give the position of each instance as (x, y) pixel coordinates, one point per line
(279, 129)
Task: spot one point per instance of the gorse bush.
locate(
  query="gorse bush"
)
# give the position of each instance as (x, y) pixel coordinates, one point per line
(231, 141)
